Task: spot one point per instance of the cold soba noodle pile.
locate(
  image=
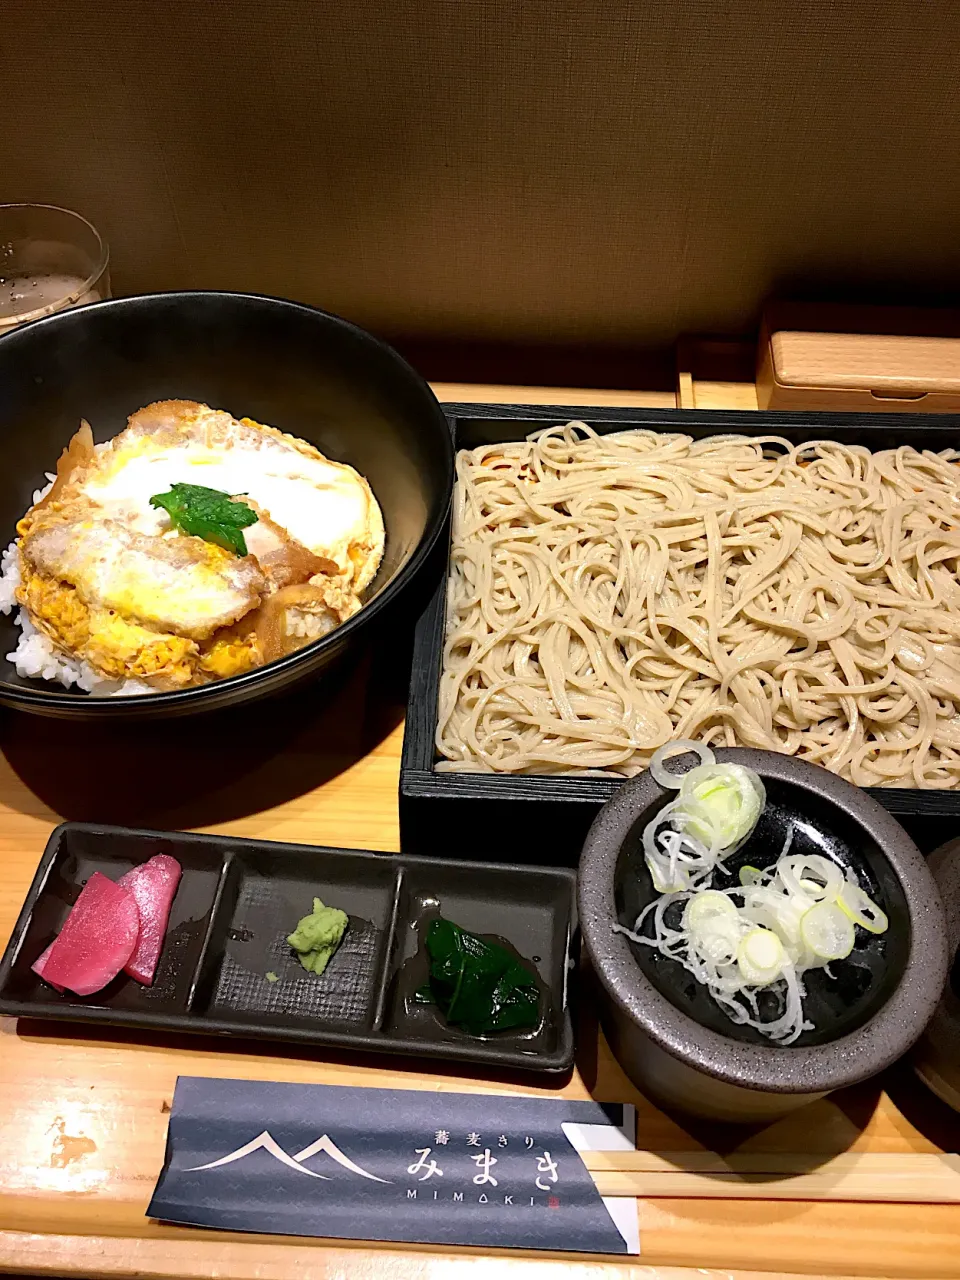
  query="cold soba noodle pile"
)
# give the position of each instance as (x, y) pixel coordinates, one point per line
(610, 593)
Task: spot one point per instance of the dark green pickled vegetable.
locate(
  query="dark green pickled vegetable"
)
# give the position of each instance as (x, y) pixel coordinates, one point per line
(478, 985)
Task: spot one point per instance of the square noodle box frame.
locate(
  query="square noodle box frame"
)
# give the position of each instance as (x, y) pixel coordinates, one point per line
(544, 819)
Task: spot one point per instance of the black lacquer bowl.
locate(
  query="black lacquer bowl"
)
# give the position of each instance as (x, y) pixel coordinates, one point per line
(309, 373)
(665, 1029)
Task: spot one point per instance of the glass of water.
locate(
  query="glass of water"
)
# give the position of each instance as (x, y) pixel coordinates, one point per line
(50, 259)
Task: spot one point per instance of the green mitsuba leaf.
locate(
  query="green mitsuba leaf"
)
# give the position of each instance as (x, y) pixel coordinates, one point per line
(209, 514)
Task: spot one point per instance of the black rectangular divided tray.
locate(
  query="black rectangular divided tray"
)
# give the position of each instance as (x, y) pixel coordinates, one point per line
(235, 905)
(545, 819)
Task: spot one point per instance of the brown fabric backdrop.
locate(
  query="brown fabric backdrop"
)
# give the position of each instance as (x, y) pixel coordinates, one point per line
(515, 170)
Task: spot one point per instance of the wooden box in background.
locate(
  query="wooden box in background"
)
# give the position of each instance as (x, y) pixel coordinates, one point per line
(857, 358)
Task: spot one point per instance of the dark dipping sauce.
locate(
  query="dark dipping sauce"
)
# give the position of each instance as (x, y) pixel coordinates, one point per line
(428, 1019)
(860, 985)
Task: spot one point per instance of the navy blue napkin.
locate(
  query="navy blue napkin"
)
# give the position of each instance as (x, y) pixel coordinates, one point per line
(384, 1164)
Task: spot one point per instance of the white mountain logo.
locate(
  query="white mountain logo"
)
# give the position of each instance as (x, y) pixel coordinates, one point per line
(267, 1142)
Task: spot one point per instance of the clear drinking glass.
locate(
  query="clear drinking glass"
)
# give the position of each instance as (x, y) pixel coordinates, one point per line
(50, 259)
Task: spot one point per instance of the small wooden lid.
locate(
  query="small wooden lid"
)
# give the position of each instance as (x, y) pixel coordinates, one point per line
(864, 348)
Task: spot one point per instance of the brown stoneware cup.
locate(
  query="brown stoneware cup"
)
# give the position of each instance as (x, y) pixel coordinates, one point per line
(666, 1031)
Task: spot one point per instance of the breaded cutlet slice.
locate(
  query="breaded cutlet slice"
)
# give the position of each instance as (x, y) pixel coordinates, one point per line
(182, 584)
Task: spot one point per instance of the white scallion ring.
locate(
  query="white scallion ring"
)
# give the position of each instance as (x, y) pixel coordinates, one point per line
(682, 745)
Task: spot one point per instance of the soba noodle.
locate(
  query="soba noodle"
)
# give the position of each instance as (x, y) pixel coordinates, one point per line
(609, 593)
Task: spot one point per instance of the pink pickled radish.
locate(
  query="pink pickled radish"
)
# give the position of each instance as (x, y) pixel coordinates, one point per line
(39, 968)
(96, 941)
(153, 885)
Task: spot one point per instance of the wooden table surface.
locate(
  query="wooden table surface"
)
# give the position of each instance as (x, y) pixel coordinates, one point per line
(83, 1114)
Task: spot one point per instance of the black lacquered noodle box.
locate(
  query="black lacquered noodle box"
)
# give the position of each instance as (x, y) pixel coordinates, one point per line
(543, 820)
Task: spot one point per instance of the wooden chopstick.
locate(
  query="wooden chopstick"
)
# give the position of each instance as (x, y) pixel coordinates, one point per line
(905, 1178)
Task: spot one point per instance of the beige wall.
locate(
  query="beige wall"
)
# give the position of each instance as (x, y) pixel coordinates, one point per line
(599, 171)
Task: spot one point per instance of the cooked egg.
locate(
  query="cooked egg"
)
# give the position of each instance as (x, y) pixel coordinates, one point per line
(325, 506)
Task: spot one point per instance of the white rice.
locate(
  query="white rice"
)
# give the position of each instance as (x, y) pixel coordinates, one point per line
(307, 626)
(9, 578)
(36, 657)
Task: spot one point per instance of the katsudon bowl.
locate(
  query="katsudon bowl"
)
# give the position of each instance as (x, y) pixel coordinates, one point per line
(302, 371)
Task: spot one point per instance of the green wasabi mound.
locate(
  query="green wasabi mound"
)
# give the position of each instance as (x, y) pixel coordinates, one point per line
(318, 935)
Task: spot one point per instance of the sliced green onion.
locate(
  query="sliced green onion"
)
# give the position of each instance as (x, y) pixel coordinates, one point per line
(718, 937)
(827, 932)
(719, 804)
(760, 957)
(813, 876)
(709, 902)
(799, 914)
(682, 746)
(861, 909)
